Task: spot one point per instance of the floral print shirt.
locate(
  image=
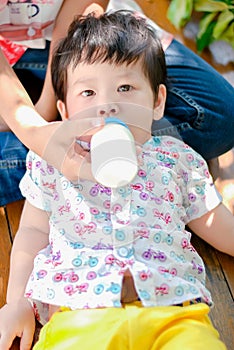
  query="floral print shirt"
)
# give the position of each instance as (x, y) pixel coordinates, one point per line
(96, 233)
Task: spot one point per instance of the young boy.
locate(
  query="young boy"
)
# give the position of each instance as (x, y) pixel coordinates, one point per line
(117, 264)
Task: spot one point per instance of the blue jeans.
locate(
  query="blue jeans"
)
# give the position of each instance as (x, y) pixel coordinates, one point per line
(30, 69)
(199, 108)
(200, 103)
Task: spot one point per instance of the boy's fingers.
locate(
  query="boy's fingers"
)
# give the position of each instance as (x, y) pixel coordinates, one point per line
(27, 338)
(6, 341)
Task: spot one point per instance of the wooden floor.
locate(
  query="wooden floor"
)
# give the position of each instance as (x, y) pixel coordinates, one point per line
(220, 267)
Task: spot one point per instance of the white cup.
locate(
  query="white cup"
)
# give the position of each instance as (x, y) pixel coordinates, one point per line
(22, 13)
(113, 154)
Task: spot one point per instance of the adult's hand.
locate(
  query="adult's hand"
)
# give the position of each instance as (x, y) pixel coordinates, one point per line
(61, 149)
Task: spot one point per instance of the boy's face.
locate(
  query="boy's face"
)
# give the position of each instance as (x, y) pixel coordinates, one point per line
(104, 90)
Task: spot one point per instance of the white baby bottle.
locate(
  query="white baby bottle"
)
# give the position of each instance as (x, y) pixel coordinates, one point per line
(113, 154)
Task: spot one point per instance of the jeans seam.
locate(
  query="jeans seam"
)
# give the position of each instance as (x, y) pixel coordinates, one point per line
(26, 65)
(10, 164)
(200, 111)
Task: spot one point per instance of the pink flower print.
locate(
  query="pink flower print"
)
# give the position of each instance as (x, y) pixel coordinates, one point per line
(69, 290)
(91, 275)
(110, 259)
(29, 165)
(54, 260)
(206, 173)
(157, 227)
(143, 230)
(197, 267)
(117, 208)
(91, 227)
(144, 275)
(94, 191)
(143, 233)
(65, 208)
(184, 175)
(187, 245)
(107, 204)
(167, 272)
(142, 224)
(38, 164)
(190, 158)
(81, 216)
(58, 277)
(169, 196)
(137, 187)
(142, 173)
(82, 288)
(175, 155)
(50, 169)
(162, 290)
(94, 211)
(29, 293)
(165, 217)
(77, 227)
(49, 185)
(41, 274)
(69, 276)
(192, 197)
(149, 185)
(144, 196)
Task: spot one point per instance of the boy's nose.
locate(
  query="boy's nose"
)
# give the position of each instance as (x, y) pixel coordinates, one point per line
(108, 110)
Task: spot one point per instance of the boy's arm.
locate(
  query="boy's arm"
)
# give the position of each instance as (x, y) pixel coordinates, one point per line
(17, 316)
(217, 228)
(32, 236)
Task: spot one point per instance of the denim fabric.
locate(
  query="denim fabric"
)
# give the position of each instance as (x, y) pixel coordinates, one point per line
(31, 70)
(199, 109)
(200, 104)
(12, 167)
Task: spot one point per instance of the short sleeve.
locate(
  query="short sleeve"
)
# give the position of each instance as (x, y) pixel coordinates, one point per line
(198, 190)
(38, 183)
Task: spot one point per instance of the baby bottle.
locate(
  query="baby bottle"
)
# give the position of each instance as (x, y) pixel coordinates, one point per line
(113, 154)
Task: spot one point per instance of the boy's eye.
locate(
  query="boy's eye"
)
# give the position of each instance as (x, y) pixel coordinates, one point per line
(125, 88)
(87, 93)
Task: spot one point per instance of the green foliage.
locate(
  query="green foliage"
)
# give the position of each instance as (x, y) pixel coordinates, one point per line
(217, 22)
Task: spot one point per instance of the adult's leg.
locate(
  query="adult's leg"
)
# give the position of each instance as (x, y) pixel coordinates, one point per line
(12, 167)
(31, 69)
(200, 103)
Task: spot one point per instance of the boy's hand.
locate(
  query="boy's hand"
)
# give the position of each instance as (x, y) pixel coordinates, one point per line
(17, 320)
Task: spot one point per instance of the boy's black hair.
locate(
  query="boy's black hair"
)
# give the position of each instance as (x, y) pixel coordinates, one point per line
(119, 37)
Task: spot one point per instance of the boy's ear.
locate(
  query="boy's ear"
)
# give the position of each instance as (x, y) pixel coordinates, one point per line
(62, 109)
(160, 102)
